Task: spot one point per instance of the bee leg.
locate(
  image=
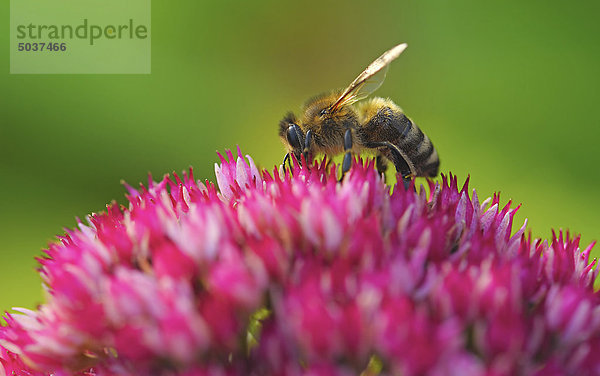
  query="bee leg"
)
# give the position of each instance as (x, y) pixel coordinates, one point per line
(381, 164)
(287, 159)
(347, 163)
(404, 170)
(398, 160)
(406, 179)
(307, 143)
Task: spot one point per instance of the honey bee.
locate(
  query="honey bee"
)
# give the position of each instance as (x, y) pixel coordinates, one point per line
(332, 124)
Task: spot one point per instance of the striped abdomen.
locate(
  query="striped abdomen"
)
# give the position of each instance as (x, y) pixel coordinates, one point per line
(418, 149)
(386, 124)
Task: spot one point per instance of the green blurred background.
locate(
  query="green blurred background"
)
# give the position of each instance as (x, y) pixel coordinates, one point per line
(506, 91)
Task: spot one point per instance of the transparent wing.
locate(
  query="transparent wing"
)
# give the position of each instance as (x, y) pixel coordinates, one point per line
(370, 85)
(370, 79)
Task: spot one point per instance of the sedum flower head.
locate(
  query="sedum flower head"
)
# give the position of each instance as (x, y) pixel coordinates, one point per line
(298, 274)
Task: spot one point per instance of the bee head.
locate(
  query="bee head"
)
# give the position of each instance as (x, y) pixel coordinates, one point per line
(323, 126)
(291, 134)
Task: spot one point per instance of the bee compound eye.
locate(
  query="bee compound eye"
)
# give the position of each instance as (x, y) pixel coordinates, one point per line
(293, 136)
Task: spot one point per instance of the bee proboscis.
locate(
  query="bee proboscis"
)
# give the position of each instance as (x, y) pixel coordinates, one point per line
(335, 123)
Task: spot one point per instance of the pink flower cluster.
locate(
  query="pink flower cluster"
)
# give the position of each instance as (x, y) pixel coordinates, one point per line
(297, 274)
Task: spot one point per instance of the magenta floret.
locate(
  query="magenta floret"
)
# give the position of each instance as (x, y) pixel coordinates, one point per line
(297, 274)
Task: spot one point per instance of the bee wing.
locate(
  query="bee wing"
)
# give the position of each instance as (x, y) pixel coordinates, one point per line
(369, 80)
